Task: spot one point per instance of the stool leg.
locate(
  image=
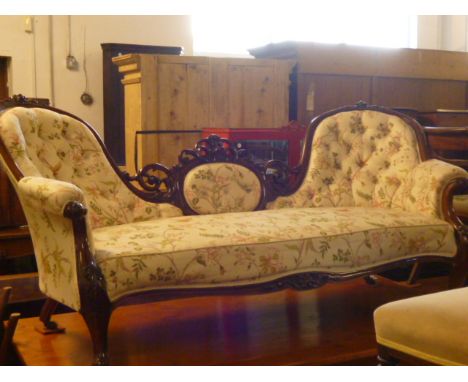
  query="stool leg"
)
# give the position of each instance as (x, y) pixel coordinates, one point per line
(385, 359)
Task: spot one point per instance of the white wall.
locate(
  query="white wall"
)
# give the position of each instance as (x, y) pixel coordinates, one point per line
(51, 40)
(446, 32)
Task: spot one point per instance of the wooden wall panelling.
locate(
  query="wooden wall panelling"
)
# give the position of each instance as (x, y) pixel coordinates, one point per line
(427, 94)
(318, 93)
(369, 61)
(342, 74)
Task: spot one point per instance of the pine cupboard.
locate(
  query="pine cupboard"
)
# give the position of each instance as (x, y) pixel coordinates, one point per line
(173, 93)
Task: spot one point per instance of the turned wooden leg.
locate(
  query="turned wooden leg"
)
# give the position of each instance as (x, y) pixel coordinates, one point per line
(98, 323)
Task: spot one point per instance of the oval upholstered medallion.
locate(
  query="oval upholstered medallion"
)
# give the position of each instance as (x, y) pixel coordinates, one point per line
(221, 187)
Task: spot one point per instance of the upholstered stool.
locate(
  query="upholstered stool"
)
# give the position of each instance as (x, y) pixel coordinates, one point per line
(431, 328)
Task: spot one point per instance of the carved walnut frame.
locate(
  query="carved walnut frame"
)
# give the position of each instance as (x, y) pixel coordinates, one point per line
(276, 179)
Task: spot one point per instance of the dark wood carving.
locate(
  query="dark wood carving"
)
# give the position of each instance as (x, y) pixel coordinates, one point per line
(168, 187)
(96, 307)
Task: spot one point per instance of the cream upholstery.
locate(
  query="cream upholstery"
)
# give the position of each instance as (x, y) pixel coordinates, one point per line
(43, 201)
(63, 161)
(221, 187)
(422, 190)
(371, 159)
(224, 249)
(51, 145)
(364, 163)
(431, 327)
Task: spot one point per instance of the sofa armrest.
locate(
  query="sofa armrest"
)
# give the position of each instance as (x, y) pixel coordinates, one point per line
(49, 195)
(425, 187)
(45, 204)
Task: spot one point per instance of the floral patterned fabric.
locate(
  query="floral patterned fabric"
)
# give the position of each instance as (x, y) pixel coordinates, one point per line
(359, 158)
(369, 158)
(369, 167)
(43, 201)
(51, 145)
(422, 189)
(63, 161)
(221, 187)
(249, 247)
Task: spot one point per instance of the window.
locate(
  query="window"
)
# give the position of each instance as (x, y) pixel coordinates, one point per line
(233, 34)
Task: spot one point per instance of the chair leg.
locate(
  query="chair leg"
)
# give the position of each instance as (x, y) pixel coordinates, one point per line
(98, 323)
(48, 326)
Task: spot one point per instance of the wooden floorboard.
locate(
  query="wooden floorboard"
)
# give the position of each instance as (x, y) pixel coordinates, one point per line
(331, 325)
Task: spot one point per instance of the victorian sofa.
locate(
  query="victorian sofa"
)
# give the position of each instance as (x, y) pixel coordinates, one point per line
(364, 199)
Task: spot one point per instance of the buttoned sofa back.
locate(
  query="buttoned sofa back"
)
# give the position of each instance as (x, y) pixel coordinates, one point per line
(359, 158)
(44, 143)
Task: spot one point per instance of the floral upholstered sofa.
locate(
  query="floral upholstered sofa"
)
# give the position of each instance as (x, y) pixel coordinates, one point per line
(364, 199)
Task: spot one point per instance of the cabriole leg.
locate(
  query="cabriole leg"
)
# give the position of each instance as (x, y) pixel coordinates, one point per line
(98, 323)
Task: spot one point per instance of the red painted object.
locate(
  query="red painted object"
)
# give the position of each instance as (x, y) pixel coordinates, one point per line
(293, 133)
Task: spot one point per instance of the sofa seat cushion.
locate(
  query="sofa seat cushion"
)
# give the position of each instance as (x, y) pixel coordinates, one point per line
(247, 247)
(430, 327)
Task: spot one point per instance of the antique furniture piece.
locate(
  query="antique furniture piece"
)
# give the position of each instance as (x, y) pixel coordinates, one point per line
(114, 116)
(284, 143)
(330, 75)
(17, 267)
(6, 330)
(365, 199)
(190, 93)
(424, 330)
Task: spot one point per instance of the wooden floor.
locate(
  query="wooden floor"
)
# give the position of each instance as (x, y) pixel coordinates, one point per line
(331, 325)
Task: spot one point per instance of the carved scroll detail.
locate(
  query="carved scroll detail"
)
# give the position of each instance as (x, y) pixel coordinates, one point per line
(302, 281)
